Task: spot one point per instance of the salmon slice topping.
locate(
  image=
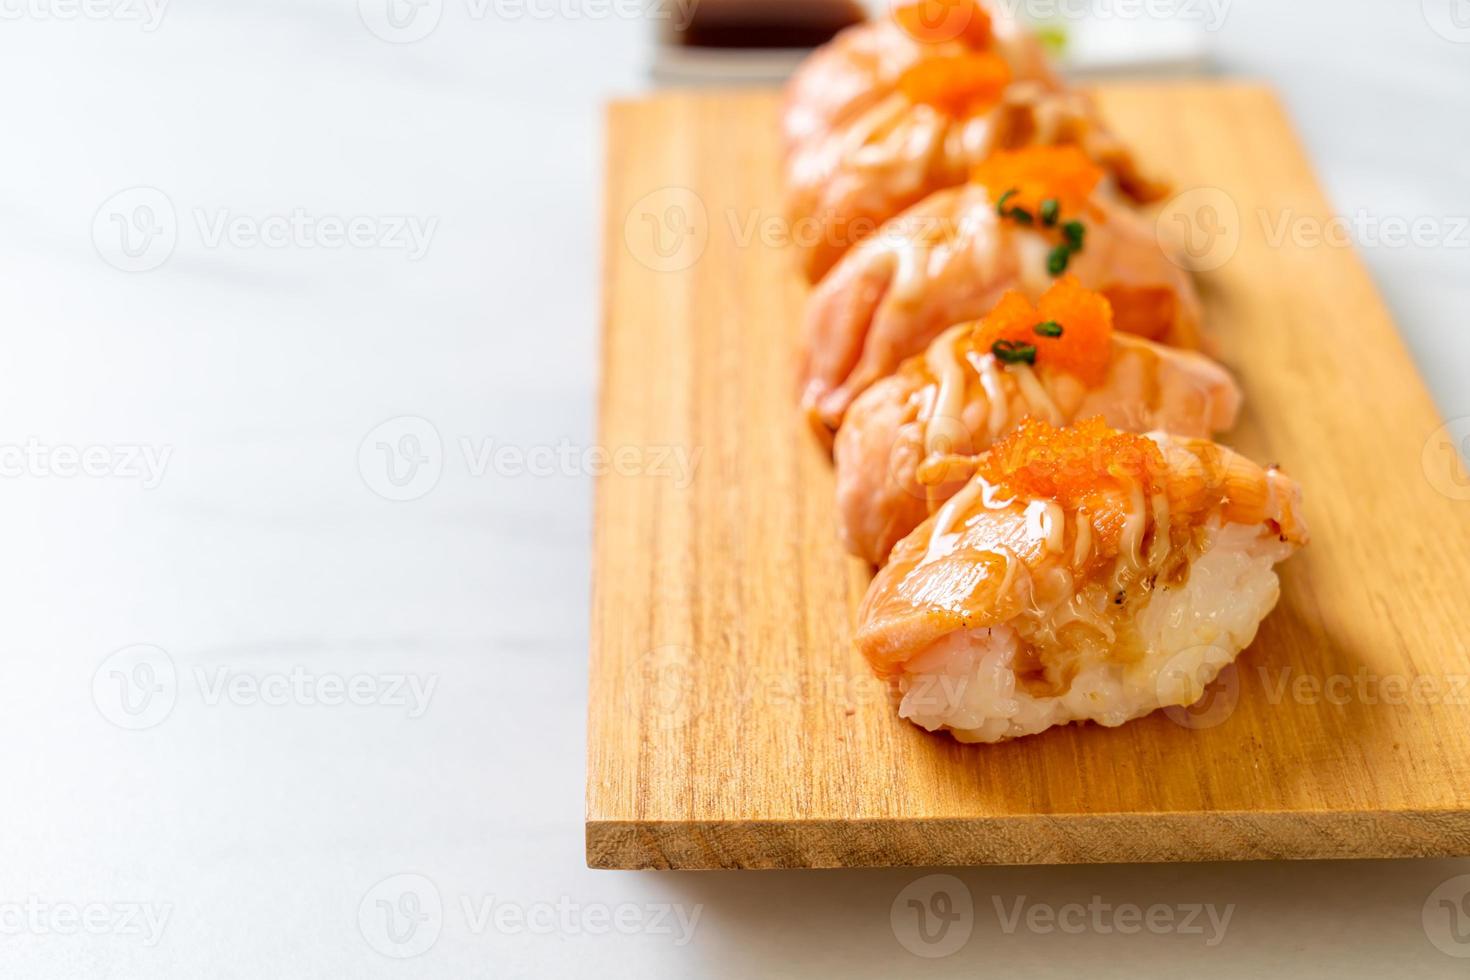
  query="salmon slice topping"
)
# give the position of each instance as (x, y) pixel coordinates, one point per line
(938, 21)
(1147, 311)
(1070, 328)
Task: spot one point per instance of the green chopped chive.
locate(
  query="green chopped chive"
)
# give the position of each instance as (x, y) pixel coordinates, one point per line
(1057, 259)
(1049, 328)
(1053, 37)
(1075, 233)
(1000, 206)
(1049, 210)
(1021, 216)
(1013, 352)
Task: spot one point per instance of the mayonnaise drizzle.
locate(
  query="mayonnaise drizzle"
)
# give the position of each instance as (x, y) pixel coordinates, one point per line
(991, 498)
(1013, 563)
(879, 117)
(1045, 519)
(949, 400)
(1038, 402)
(1083, 545)
(1160, 548)
(941, 540)
(992, 380)
(945, 534)
(1134, 525)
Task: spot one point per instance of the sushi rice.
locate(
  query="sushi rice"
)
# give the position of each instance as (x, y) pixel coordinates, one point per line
(966, 682)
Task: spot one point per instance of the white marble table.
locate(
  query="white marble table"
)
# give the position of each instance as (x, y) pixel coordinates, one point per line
(323, 685)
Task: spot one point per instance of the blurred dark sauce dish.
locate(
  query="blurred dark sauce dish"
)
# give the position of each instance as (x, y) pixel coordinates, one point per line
(744, 41)
(767, 23)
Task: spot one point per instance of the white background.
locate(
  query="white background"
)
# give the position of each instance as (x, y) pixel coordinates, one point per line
(260, 829)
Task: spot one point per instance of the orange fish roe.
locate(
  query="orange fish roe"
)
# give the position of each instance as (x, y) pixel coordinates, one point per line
(937, 21)
(957, 84)
(1084, 345)
(1038, 173)
(1072, 464)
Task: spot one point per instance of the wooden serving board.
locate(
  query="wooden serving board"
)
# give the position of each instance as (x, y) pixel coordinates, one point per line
(732, 725)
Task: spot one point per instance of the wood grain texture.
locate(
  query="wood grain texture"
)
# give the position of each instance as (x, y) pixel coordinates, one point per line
(731, 723)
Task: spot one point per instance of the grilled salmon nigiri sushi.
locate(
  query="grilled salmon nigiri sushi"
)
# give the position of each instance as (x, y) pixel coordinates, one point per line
(862, 66)
(1058, 360)
(1082, 574)
(1027, 217)
(947, 112)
